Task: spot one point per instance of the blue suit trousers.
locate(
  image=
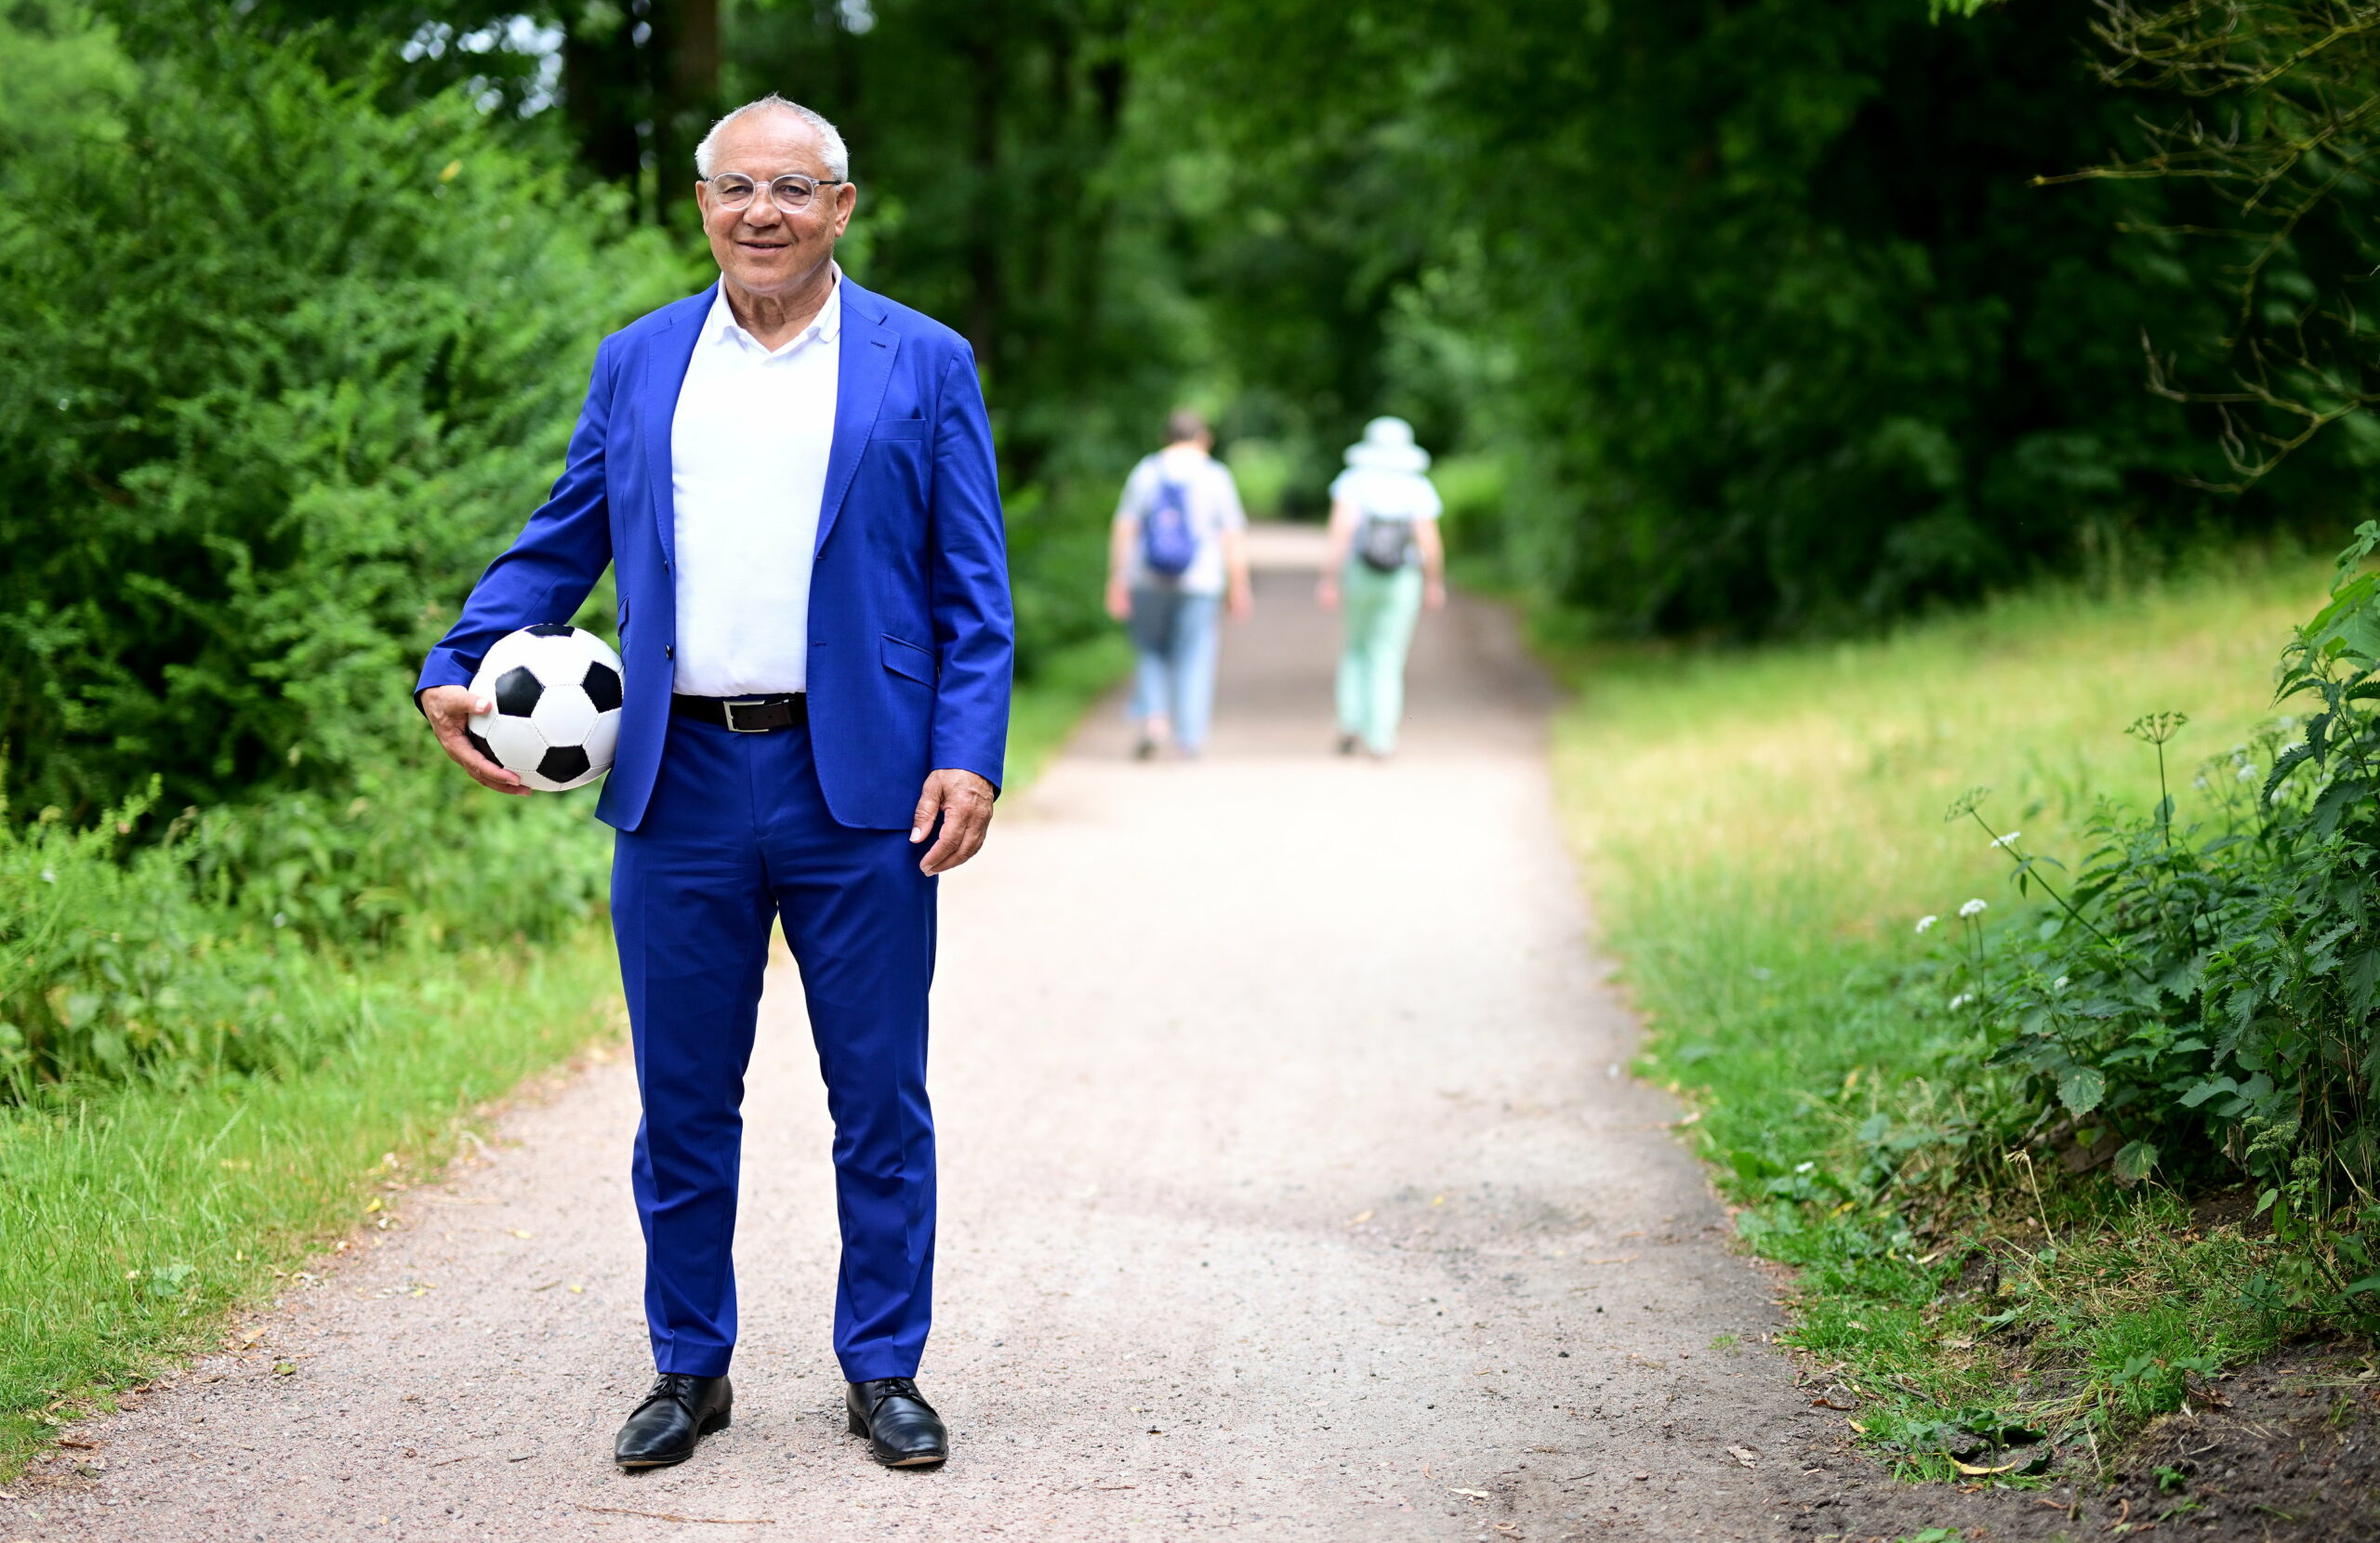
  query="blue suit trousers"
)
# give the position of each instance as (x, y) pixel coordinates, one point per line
(738, 833)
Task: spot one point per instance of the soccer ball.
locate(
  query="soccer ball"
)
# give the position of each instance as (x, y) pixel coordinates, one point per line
(557, 717)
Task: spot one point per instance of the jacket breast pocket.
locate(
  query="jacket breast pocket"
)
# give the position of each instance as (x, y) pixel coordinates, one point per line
(897, 428)
(903, 657)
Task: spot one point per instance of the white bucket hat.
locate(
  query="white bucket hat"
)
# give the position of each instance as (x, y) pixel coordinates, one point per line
(1387, 445)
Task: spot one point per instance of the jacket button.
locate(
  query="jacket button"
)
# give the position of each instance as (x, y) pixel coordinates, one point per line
(668, 651)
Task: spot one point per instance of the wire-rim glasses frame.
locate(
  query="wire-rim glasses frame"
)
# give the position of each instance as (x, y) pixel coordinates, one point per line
(791, 192)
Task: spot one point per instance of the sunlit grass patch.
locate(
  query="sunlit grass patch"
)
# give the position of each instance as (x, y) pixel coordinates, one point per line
(131, 1220)
(1762, 831)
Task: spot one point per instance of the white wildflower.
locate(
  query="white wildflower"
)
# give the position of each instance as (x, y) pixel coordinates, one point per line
(2248, 773)
(2058, 985)
(1804, 1168)
(2199, 783)
(2009, 840)
(49, 876)
(281, 918)
(1973, 908)
(1925, 924)
(1961, 1000)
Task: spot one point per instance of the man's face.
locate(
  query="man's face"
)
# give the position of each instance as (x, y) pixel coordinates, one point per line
(760, 248)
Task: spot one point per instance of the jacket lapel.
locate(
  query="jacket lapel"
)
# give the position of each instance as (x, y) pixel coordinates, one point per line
(863, 364)
(665, 361)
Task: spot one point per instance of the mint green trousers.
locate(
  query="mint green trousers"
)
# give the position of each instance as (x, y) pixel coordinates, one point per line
(1377, 611)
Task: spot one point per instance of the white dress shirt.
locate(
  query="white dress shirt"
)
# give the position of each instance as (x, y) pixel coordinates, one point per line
(748, 462)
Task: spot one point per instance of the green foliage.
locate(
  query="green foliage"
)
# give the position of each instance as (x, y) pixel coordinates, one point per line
(1761, 828)
(1761, 304)
(278, 371)
(2203, 1002)
(225, 945)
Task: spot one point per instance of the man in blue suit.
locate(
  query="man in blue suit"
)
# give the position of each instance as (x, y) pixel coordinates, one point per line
(793, 478)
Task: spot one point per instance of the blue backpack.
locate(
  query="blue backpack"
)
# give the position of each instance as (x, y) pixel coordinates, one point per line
(1168, 545)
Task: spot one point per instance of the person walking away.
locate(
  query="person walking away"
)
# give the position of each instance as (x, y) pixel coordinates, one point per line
(1383, 562)
(1177, 554)
(792, 480)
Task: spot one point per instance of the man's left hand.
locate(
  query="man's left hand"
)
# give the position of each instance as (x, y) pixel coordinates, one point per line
(963, 800)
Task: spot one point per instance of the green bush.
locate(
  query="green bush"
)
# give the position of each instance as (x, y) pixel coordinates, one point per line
(228, 943)
(279, 370)
(2200, 1000)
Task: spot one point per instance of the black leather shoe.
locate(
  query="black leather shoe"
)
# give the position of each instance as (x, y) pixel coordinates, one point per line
(678, 1414)
(901, 1427)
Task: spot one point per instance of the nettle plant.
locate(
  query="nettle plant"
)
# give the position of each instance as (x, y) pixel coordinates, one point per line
(2198, 1000)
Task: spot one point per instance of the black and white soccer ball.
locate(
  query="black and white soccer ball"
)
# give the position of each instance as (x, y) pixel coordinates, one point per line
(557, 716)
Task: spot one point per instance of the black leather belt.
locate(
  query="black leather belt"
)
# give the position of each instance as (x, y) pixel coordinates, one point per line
(744, 715)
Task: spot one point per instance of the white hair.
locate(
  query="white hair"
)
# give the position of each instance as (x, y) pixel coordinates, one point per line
(831, 140)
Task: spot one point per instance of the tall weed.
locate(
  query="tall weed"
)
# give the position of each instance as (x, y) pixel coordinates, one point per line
(2198, 1000)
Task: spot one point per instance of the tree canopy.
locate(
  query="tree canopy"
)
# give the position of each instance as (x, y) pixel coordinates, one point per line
(1731, 319)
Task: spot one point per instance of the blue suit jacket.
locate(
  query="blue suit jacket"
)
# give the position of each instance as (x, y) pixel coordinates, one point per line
(911, 633)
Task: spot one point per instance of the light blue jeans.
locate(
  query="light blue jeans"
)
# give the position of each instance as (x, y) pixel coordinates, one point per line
(1175, 636)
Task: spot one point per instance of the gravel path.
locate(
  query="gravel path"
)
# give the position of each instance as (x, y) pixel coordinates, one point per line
(1291, 1189)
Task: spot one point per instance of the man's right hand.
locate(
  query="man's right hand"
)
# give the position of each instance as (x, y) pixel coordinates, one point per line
(1119, 600)
(449, 708)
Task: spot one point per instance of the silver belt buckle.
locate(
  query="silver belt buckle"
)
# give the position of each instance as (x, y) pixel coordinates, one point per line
(734, 727)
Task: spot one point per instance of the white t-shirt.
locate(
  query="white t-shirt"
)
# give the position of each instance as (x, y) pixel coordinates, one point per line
(1213, 501)
(1387, 494)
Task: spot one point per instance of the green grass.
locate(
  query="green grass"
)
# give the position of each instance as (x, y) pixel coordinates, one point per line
(134, 1219)
(1761, 830)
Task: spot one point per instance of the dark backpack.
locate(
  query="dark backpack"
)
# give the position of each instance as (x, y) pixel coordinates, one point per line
(1384, 545)
(1167, 543)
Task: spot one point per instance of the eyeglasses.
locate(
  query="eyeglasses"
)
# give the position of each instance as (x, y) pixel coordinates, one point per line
(791, 193)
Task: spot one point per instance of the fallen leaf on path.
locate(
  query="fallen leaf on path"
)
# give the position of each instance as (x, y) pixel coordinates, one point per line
(2200, 1393)
(522, 1232)
(76, 1441)
(1744, 1455)
(1359, 1219)
(1639, 1477)
(1824, 1403)
(547, 1287)
(1474, 1494)
(672, 1516)
(1973, 1472)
